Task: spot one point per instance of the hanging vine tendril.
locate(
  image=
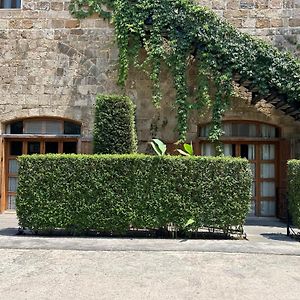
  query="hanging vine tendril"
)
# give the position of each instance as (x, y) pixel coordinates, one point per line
(173, 31)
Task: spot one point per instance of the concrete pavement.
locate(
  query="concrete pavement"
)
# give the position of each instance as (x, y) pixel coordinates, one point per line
(266, 266)
(264, 235)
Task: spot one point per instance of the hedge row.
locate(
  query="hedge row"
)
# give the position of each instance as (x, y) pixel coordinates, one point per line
(114, 127)
(110, 193)
(294, 190)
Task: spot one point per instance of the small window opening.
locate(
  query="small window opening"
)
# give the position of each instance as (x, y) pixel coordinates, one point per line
(9, 4)
(45, 127)
(71, 128)
(16, 128)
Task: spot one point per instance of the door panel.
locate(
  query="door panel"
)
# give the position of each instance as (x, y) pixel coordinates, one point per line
(15, 148)
(34, 148)
(262, 158)
(51, 147)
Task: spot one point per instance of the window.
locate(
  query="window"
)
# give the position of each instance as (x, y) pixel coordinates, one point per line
(8, 4)
(45, 127)
(246, 130)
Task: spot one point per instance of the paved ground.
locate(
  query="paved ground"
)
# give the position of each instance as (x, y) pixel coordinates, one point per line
(267, 266)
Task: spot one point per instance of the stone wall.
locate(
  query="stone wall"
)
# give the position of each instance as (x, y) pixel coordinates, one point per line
(275, 20)
(54, 65)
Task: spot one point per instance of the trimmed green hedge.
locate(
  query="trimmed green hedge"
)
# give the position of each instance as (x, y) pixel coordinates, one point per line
(110, 193)
(294, 190)
(114, 128)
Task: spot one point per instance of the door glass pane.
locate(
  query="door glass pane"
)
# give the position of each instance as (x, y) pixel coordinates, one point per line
(207, 150)
(70, 147)
(253, 189)
(16, 148)
(51, 147)
(248, 151)
(268, 189)
(53, 127)
(34, 148)
(11, 202)
(268, 208)
(268, 152)
(253, 169)
(268, 131)
(15, 128)
(252, 209)
(267, 171)
(13, 166)
(227, 128)
(33, 127)
(12, 184)
(247, 130)
(72, 128)
(251, 152)
(229, 150)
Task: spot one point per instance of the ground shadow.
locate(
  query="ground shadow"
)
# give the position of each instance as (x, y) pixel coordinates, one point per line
(131, 234)
(278, 237)
(8, 231)
(265, 222)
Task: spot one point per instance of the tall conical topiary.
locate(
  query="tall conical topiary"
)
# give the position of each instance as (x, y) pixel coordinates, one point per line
(114, 127)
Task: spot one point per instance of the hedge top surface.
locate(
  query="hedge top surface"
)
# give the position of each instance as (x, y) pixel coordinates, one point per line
(131, 156)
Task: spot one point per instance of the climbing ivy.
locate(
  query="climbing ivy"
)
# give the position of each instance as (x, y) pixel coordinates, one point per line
(175, 31)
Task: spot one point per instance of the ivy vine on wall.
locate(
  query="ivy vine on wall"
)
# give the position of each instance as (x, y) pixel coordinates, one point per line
(174, 31)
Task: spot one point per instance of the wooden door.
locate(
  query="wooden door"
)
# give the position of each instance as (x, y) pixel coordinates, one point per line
(15, 148)
(263, 158)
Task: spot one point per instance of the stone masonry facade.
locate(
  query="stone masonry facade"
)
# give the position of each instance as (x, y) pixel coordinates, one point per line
(54, 65)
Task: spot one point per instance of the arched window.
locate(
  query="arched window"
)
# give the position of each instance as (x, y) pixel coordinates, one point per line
(35, 136)
(244, 130)
(44, 127)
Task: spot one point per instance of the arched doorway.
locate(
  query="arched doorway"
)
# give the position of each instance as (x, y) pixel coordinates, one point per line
(260, 143)
(33, 136)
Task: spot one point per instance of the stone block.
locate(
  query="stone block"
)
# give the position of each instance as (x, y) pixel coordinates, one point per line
(275, 4)
(276, 22)
(233, 4)
(262, 4)
(218, 4)
(27, 24)
(58, 6)
(43, 5)
(249, 23)
(58, 23)
(15, 24)
(294, 22)
(72, 23)
(3, 24)
(238, 23)
(262, 23)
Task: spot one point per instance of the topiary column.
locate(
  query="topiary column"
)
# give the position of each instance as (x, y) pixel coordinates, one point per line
(114, 127)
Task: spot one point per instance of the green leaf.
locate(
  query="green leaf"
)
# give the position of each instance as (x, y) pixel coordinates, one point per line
(182, 152)
(189, 222)
(189, 149)
(162, 147)
(156, 149)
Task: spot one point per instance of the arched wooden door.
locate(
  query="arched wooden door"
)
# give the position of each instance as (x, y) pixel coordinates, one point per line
(33, 136)
(259, 143)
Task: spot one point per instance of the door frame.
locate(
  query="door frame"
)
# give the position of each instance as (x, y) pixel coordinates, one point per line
(258, 161)
(25, 139)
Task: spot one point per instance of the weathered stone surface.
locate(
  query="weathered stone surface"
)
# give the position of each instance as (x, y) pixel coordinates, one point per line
(54, 65)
